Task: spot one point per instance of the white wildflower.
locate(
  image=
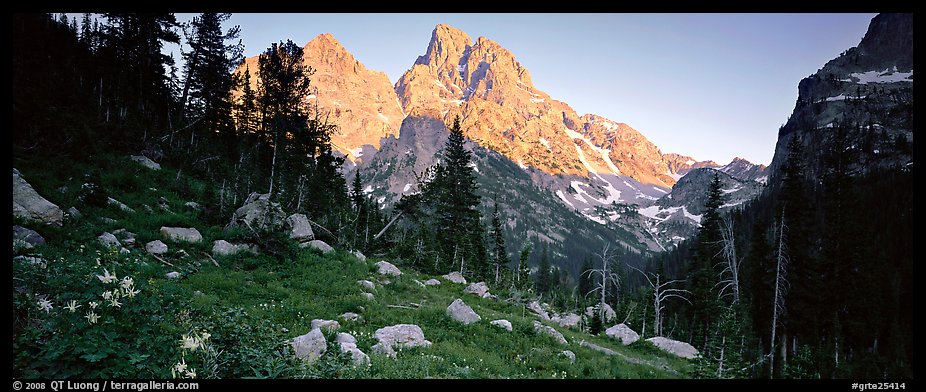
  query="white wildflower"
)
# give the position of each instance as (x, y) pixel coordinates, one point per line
(92, 317)
(44, 304)
(107, 277)
(127, 283)
(72, 306)
(115, 303)
(93, 304)
(107, 295)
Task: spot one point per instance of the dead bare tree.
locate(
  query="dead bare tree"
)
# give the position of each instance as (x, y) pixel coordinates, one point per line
(661, 292)
(781, 287)
(729, 282)
(605, 276)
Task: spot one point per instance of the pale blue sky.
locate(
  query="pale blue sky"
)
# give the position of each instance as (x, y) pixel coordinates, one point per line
(712, 86)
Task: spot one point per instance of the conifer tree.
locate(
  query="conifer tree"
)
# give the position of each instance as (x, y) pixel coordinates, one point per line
(499, 255)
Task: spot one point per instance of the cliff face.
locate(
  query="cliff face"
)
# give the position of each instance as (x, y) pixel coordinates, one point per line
(359, 100)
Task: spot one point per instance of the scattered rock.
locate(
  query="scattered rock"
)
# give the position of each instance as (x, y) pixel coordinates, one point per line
(109, 221)
(462, 312)
(367, 284)
(124, 251)
(259, 213)
(225, 248)
(350, 316)
(156, 247)
(299, 228)
(28, 204)
(349, 345)
(108, 240)
(569, 355)
(358, 255)
(172, 275)
(623, 333)
(310, 346)
(34, 260)
(28, 236)
(74, 213)
(19, 246)
(676, 347)
(368, 296)
(420, 283)
(593, 346)
(535, 307)
(144, 161)
(181, 234)
(480, 289)
(569, 320)
(455, 277)
(193, 205)
(329, 325)
(344, 337)
(400, 335)
(502, 324)
(318, 244)
(544, 329)
(128, 237)
(120, 205)
(609, 313)
(431, 282)
(386, 268)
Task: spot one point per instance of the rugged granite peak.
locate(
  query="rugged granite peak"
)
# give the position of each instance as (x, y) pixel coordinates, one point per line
(493, 93)
(744, 170)
(359, 100)
(859, 104)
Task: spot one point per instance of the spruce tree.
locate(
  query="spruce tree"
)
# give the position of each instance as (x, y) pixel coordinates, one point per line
(543, 282)
(524, 268)
(499, 255)
(703, 275)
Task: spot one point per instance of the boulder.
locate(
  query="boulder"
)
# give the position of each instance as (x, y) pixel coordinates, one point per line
(317, 244)
(181, 234)
(462, 312)
(548, 330)
(172, 275)
(33, 260)
(108, 240)
(74, 213)
(299, 228)
(329, 325)
(536, 308)
(28, 204)
(675, 347)
(120, 205)
(358, 255)
(29, 236)
(344, 337)
(623, 333)
(368, 296)
(128, 237)
(400, 335)
(193, 205)
(225, 248)
(156, 247)
(431, 282)
(144, 161)
(386, 268)
(350, 316)
(455, 277)
(310, 346)
(480, 289)
(366, 284)
(609, 313)
(259, 213)
(502, 324)
(571, 356)
(569, 320)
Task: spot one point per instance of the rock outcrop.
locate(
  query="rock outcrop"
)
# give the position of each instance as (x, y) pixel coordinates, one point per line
(623, 333)
(156, 247)
(28, 204)
(259, 213)
(537, 309)
(318, 244)
(461, 312)
(502, 324)
(299, 228)
(399, 336)
(455, 277)
(480, 289)
(675, 347)
(386, 268)
(548, 330)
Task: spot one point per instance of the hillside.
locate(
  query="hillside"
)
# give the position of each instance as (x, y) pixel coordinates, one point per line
(251, 306)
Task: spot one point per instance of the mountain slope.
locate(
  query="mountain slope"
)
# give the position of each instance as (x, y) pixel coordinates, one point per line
(866, 94)
(359, 100)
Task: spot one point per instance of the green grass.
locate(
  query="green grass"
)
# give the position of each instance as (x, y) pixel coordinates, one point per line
(253, 305)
